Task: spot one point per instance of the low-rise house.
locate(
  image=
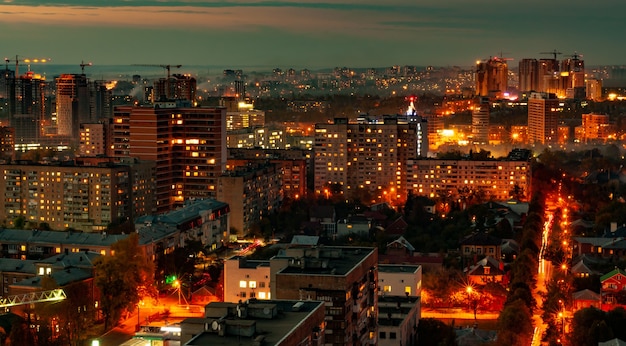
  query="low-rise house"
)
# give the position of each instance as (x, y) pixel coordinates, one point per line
(487, 270)
(480, 244)
(356, 224)
(585, 299)
(613, 289)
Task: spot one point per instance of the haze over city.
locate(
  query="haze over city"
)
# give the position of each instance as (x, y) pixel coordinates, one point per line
(310, 34)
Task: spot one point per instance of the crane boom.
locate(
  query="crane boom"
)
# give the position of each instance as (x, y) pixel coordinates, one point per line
(26, 60)
(82, 66)
(35, 297)
(553, 52)
(167, 67)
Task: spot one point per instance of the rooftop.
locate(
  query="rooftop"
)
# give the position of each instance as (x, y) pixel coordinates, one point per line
(270, 321)
(191, 211)
(397, 268)
(323, 260)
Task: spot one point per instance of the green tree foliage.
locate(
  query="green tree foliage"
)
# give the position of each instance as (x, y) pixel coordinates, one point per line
(515, 324)
(589, 325)
(73, 315)
(440, 285)
(436, 333)
(524, 269)
(123, 279)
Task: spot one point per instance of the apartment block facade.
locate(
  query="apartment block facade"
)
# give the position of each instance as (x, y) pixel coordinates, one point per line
(493, 179)
(85, 198)
(368, 156)
(188, 145)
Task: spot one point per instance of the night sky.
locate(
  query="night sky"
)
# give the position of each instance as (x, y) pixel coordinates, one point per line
(311, 34)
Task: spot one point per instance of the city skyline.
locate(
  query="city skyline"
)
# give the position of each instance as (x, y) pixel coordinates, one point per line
(308, 34)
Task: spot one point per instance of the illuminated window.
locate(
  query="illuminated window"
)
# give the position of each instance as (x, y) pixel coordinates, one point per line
(407, 289)
(242, 284)
(252, 284)
(387, 288)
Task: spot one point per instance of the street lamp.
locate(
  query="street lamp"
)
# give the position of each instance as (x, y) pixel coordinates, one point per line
(138, 319)
(473, 303)
(177, 285)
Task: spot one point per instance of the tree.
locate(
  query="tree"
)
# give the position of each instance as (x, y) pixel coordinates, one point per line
(582, 322)
(434, 332)
(123, 279)
(515, 324)
(73, 315)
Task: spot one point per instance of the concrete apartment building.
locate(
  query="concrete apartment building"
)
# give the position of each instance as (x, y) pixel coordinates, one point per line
(85, 198)
(370, 155)
(345, 278)
(295, 163)
(543, 118)
(246, 279)
(204, 220)
(253, 192)
(399, 303)
(595, 128)
(93, 139)
(493, 178)
(188, 145)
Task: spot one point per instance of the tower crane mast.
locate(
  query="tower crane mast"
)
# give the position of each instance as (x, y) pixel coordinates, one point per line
(82, 66)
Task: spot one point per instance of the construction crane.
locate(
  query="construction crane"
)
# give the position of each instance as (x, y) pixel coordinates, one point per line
(83, 64)
(554, 53)
(575, 56)
(501, 57)
(31, 298)
(26, 60)
(167, 67)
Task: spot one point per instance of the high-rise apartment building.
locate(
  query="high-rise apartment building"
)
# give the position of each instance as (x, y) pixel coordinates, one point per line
(573, 75)
(369, 155)
(188, 145)
(595, 128)
(72, 104)
(543, 118)
(480, 120)
(253, 193)
(176, 87)
(593, 89)
(492, 77)
(528, 75)
(101, 95)
(26, 106)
